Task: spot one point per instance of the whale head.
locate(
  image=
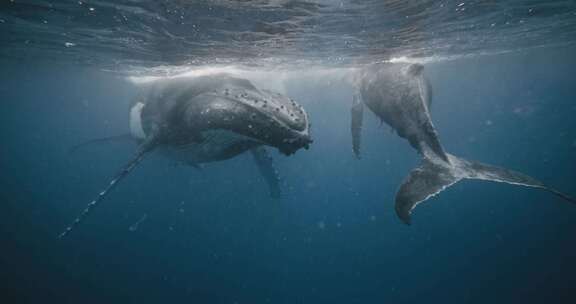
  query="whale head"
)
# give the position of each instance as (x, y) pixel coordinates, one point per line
(223, 102)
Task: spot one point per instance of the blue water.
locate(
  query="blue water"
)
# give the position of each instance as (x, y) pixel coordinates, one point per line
(173, 234)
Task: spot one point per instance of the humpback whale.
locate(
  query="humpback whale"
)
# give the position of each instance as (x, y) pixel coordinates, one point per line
(205, 119)
(400, 95)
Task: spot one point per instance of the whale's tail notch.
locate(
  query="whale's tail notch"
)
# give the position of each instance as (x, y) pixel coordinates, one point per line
(434, 175)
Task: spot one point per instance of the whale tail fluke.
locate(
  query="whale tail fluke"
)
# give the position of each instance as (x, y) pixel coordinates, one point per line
(434, 175)
(138, 157)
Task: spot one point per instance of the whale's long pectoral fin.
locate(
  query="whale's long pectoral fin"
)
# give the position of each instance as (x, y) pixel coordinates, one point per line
(110, 139)
(357, 114)
(266, 167)
(431, 177)
(144, 148)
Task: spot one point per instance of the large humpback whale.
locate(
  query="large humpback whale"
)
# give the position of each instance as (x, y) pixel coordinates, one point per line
(211, 118)
(400, 95)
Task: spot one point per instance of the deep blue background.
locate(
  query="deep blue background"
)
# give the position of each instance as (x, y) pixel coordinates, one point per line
(214, 236)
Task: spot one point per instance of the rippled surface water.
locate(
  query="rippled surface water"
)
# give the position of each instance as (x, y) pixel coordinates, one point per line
(503, 81)
(145, 33)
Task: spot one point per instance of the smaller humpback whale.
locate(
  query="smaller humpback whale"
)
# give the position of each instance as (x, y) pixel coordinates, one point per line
(400, 95)
(204, 119)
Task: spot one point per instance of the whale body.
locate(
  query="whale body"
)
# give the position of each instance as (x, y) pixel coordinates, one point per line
(401, 96)
(204, 119)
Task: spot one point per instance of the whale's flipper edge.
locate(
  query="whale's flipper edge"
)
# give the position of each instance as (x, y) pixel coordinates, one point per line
(433, 176)
(266, 168)
(110, 139)
(357, 117)
(143, 150)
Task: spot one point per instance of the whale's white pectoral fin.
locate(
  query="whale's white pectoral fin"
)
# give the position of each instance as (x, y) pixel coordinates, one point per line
(144, 148)
(357, 114)
(136, 121)
(266, 167)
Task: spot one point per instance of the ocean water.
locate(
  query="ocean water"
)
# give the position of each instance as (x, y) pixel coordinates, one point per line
(502, 73)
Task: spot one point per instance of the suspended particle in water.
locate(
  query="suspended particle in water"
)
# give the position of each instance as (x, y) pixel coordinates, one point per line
(134, 226)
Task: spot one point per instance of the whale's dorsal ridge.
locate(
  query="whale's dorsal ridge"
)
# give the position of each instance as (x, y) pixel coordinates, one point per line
(357, 114)
(415, 69)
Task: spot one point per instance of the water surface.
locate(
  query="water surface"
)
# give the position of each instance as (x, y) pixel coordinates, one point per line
(503, 79)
